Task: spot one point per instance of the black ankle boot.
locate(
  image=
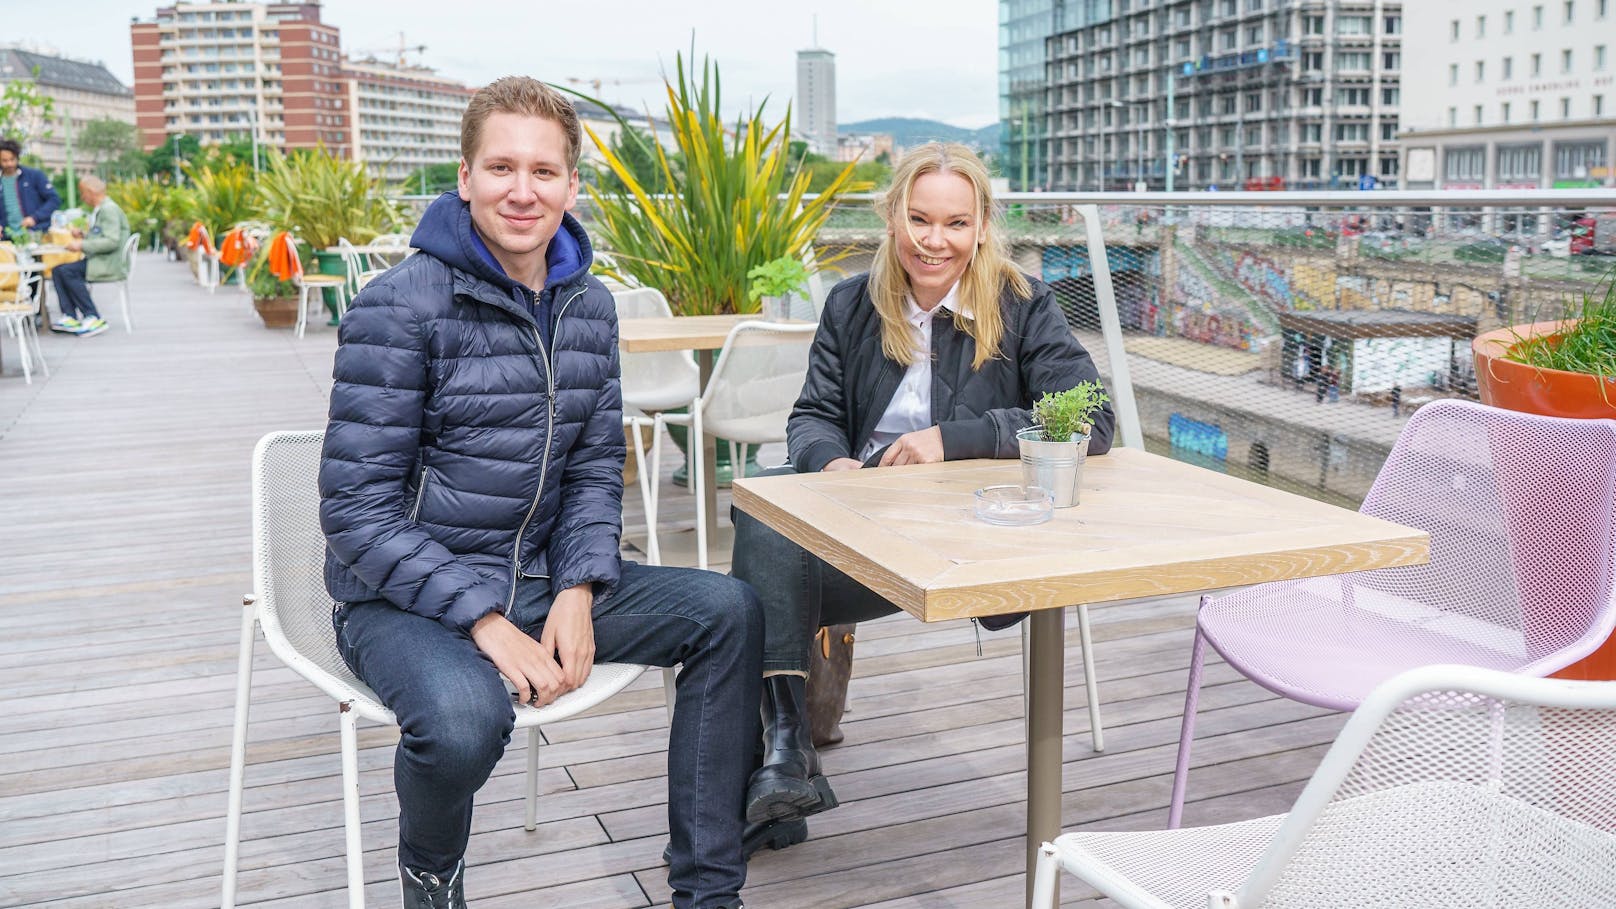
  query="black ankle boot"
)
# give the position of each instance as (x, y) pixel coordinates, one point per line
(789, 784)
(773, 834)
(424, 890)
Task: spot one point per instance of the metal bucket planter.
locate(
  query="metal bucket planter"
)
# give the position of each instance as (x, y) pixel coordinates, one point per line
(1055, 466)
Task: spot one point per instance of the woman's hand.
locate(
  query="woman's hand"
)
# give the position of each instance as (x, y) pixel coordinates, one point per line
(843, 464)
(923, 446)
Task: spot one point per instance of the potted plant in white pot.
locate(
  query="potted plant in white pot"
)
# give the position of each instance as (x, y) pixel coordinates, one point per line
(775, 284)
(1052, 450)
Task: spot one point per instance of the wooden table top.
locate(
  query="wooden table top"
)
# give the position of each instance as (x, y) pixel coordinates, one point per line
(678, 333)
(1146, 526)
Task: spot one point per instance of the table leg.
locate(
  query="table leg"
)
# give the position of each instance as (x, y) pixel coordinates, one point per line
(1046, 680)
(709, 454)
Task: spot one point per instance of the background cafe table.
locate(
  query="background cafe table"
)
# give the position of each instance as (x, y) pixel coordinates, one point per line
(1147, 526)
(704, 335)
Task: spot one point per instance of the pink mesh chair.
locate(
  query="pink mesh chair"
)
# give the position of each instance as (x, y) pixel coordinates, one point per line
(1452, 786)
(1523, 549)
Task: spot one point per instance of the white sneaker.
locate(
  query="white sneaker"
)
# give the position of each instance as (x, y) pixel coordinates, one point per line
(90, 327)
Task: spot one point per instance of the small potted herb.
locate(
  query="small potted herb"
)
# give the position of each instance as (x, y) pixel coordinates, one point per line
(1559, 369)
(775, 282)
(1053, 449)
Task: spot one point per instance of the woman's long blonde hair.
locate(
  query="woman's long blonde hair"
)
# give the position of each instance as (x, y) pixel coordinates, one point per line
(986, 275)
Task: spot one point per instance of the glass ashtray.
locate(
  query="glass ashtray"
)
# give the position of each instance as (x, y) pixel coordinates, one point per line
(1014, 505)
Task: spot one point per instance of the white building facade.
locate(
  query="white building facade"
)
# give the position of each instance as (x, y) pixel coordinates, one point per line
(1511, 94)
(815, 112)
(405, 117)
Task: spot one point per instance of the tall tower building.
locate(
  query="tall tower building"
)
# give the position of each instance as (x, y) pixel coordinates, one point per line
(816, 99)
(1300, 94)
(216, 70)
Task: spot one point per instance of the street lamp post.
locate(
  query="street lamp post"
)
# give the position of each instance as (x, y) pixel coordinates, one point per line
(176, 157)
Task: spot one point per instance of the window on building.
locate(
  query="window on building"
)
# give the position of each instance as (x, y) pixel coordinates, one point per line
(1352, 132)
(1503, 112)
(1570, 11)
(1576, 160)
(1453, 74)
(1253, 102)
(1391, 61)
(1519, 163)
(1391, 96)
(1509, 22)
(1535, 111)
(1388, 167)
(1313, 97)
(1598, 102)
(1229, 40)
(1393, 25)
(1508, 68)
(1565, 60)
(1311, 167)
(1312, 25)
(1354, 25)
(1601, 9)
(1388, 130)
(1465, 164)
(1476, 111)
(1351, 167)
(1352, 61)
(1228, 104)
(1453, 117)
(1453, 30)
(1181, 48)
(1537, 18)
(1226, 137)
(1537, 65)
(1565, 108)
(1481, 26)
(1312, 132)
(1254, 35)
(1481, 70)
(1313, 61)
(1599, 58)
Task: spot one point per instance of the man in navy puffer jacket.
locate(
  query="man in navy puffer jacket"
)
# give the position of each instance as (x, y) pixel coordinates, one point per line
(471, 488)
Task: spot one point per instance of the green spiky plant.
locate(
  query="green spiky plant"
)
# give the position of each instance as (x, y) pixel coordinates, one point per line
(220, 196)
(320, 198)
(1063, 415)
(734, 204)
(147, 202)
(1588, 346)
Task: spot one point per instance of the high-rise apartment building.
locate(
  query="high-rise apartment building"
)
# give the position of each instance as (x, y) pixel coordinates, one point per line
(815, 112)
(405, 117)
(221, 69)
(81, 91)
(1511, 95)
(1266, 94)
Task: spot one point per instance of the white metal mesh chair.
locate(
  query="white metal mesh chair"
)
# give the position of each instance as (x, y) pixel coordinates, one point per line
(129, 247)
(313, 286)
(292, 607)
(17, 311)
(1523, 557)
(652, 383)
(1450, 786)
(359, 270)
(755, 383)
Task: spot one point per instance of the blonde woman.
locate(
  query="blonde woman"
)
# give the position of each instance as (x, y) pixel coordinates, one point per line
(937, 354)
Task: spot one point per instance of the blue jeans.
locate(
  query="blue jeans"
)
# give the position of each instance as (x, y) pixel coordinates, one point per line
(72, 292)
(798, 590)
(455, 716)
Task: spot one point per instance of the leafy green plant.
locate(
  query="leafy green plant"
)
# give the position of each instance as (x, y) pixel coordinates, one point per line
(262, 283)
(1588, 346)
(777, 278)
(322, 198)
(147, 203)
(732, 206)
(220, 197)
(1064, 414)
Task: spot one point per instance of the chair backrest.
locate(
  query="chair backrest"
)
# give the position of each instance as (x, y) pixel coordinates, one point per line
(129, 247)
(1523, 532)
(14, 288)
(294, 609)
(1456, 786)
(757, 380)
(352, 264)
(649, 375)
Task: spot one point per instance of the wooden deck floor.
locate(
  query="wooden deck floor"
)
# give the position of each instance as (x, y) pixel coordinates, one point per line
(123, 528)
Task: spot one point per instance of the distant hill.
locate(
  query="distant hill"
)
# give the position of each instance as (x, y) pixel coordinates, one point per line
(913, 131)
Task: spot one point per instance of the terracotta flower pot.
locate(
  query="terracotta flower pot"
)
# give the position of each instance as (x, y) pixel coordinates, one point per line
(280, 312)
(1531, 389)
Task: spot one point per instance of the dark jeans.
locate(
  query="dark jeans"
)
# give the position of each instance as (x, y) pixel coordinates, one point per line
(455, 715)
(799, 591)
(72, 292)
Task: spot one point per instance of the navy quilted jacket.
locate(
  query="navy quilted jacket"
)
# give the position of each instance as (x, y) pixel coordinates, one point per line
(462, 449)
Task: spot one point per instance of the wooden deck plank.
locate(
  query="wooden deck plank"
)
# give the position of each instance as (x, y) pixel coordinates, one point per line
(123, 517)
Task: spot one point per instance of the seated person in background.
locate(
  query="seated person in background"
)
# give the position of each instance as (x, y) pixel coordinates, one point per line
(102, 245)
(27, 198)
(937, 354)
(471, 496)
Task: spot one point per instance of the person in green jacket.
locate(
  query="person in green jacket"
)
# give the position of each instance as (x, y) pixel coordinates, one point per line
(102, 244)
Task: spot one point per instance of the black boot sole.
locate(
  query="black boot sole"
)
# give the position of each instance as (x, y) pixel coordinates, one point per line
(788, 799)
(777, 835)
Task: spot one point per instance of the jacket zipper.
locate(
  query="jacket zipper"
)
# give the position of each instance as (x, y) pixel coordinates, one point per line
(544, 463)
(420, 493)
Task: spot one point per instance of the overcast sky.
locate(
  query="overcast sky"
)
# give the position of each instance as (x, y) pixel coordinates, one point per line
(893, 58)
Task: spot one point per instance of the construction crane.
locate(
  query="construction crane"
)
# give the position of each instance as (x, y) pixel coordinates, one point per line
(400, 51)
(594, 84)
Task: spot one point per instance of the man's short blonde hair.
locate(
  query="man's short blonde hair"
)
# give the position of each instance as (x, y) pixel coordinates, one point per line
(527, 97)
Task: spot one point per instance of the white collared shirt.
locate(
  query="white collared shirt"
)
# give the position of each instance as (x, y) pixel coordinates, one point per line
(910, 407)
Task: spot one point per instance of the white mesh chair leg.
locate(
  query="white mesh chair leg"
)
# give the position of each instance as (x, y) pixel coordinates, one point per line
(238, 751)
(302, 309)
(532, 785)
(655, 545)
(1046, 881)
(123, 301)
(669, 675)
(1091, 679)
(653, 552)
(697, 463)
(1186, 731)
(350, 806)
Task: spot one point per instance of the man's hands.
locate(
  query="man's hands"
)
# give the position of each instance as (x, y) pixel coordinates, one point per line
(28, 222)
(843, 464)
(558, 662)
(74, 245)
(923, 446)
